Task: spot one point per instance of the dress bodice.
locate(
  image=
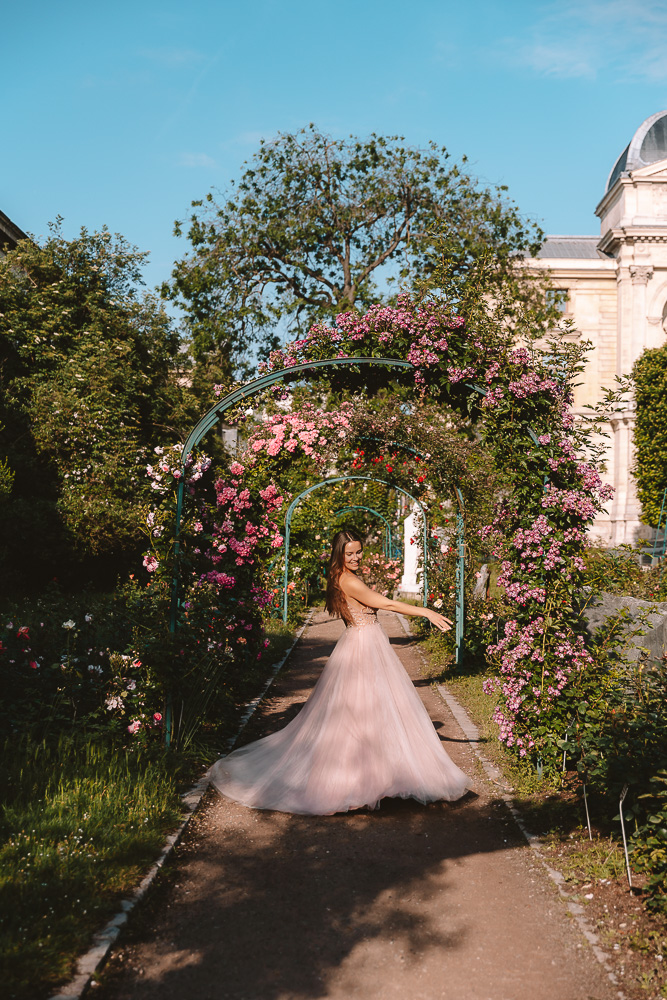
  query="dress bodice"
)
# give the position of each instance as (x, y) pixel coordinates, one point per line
(361, 614)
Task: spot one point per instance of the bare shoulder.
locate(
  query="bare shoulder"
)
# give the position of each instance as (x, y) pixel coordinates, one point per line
(352, 586)
(347, 581)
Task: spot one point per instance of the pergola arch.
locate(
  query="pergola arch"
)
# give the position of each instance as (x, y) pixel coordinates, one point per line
(556, 493)
(211, 418)
(371, 510)
(460, 565)
(343, 479)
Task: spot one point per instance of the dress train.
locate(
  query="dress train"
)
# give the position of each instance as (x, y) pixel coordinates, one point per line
(363, 735)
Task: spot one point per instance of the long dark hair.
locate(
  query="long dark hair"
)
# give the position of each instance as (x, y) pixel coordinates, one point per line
(336, 604)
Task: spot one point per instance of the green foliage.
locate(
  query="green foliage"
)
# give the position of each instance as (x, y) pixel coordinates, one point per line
(79, 824)
(89, 370)
(617, 571)
(6, 478)
(316, 223)
(649, 376)
(650, 853)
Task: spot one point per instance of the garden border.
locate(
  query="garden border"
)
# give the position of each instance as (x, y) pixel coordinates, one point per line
(94, 959)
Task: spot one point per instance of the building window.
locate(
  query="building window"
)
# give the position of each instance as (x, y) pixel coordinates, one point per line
(557, 298)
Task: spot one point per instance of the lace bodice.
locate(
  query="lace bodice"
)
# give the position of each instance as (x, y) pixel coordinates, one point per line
(362, 616)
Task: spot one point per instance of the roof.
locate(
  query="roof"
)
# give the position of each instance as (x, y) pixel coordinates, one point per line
(648, 145)
(10, 234)
(574, 247)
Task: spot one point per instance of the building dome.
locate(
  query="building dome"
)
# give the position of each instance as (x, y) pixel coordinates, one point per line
(648, 145)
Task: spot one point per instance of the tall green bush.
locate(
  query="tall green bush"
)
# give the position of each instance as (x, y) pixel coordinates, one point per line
(89, 367)
(650, 381)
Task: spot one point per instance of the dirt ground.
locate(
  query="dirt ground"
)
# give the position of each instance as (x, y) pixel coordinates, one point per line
(407, 902)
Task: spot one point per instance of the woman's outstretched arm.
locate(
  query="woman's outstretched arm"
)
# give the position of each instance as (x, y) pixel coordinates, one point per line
(352, 586)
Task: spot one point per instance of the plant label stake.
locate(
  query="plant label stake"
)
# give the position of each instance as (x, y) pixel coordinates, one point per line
(625, 843)
(567, 732)
(588, 818)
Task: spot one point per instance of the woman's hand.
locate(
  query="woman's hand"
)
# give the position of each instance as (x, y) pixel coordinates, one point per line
(440, 622)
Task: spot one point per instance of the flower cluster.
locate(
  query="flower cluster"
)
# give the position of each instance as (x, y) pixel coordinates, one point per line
(420, 334)
(309, 430)
(539, 539)
(241, 525)
(169, 469)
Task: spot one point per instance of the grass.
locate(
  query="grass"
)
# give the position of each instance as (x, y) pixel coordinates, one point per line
(593, 861)
(79, 825)
(81, 821)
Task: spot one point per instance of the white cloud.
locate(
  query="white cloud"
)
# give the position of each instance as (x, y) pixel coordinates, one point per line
(589, 38)
(196, 160)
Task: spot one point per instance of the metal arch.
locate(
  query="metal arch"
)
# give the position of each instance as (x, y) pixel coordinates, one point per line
(211, 418)
(459, 651)
(388, 535)
(345, 479)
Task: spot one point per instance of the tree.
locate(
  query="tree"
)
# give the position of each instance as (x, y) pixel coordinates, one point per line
(318, 225)
(649, 376)
(89, 373)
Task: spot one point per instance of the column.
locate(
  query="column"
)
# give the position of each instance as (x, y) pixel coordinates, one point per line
(409, 585)
(626, 527)
(640, 275)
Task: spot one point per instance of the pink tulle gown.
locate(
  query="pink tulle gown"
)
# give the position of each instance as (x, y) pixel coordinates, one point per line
(363, 735)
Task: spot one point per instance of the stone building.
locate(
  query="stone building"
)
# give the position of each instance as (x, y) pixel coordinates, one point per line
(10, 234)
(615, 291)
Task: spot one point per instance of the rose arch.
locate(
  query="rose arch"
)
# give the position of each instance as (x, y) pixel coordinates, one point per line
(550, 496)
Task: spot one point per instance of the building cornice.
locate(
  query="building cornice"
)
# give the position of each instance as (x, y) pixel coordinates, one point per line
(614, 238)
(611, 196)
(571, 267)
(10, 234)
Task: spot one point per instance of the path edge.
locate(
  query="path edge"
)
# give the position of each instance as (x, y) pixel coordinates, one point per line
(495, 775)
(92, 961)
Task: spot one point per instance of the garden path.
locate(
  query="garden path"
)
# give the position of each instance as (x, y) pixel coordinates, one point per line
(406, 902)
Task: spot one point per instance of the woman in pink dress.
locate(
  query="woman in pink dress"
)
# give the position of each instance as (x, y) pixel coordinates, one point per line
(364, 733)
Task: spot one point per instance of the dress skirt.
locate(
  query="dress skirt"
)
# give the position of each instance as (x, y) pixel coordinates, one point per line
(363, 735)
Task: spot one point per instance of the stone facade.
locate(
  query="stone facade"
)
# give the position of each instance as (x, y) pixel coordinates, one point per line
(616, 285)
(10, 234)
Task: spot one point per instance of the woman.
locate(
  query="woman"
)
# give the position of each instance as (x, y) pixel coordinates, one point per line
(363, 734)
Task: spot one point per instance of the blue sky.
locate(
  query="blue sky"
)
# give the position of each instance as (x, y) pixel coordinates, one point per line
(122, 113)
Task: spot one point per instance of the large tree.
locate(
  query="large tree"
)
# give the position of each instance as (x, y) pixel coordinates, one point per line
(318, 225)
(89, 373)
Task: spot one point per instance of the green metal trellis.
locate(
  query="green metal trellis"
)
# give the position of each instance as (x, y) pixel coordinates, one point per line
(459, 649)
(208, 421)
(460, 564)
(211, 418)
(345, 479)
(388, 542)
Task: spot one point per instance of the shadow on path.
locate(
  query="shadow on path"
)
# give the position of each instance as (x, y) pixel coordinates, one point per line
(408, 901)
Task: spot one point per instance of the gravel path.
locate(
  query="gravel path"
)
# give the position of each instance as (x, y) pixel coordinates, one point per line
(406, 902)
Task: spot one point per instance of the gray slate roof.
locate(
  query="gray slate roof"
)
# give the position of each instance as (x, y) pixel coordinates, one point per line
(574, 247)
